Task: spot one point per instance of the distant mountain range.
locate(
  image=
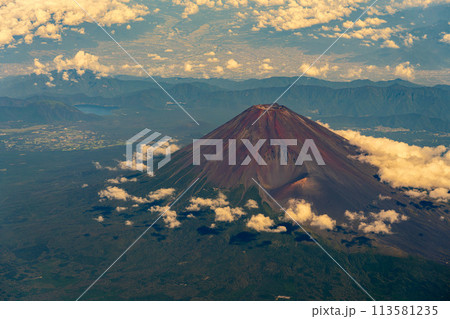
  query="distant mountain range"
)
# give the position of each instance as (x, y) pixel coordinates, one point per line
(360, 103)
(40, 112)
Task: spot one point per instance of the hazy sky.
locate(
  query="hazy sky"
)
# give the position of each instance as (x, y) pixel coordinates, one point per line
(407, 39)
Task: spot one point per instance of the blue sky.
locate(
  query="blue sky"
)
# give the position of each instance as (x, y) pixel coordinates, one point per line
(407, 39)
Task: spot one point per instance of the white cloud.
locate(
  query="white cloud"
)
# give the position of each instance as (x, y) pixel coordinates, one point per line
(352, 73)
(301, 211)
(81, 62)
(233, 64)
(219, 205)
(370, 33)
(212, 203)
(22, 20)
(363, 23)
(315, 71)
(188, 67)
(439, 194)
(262, 223)
(100, 166)
(377, 227)
(404, 70)
(299, 14)
(265, 67)
(403, 4)
(120, 209)
(323, 222)
(404, 165)
(218, 69)
(119, 180)
(228, 214)
(100, 219)
(380, 223)
(251, 204)
(116, 193)
(408, 39)
(156, 57)
(169, 217)
(161, 193)
(169, 146)
(445, 38)
(389, 44)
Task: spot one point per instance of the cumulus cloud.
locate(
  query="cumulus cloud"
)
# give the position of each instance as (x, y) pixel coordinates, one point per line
(228, 214)
(119, 180)
(379, 223)
(403, 165)
(403, 4)
(440, 194)
(220, 206)
(156, 57)
(315, 71)
(251, 204)
(389, 44)
(263, 223)
(168, 146)
(212, 203)
(100, 166)
(120, 209)
(218, 69)
(116, 193)
(128, 223)
(301, 211)
(161, 194)
(265, 67)
(233, 64)
(113, 192)
(81, 62)
(445, 38)
(169, 217)
(100, 219)
(293, 14)
(363, 23)
(23, 20)
(404, 70)
(352, 73)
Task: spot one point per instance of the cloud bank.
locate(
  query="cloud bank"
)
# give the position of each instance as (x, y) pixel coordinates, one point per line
(23, 20)
(404, 165)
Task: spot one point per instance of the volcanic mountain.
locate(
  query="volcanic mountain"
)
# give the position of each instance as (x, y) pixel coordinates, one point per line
(343, 184)
(344, 181)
